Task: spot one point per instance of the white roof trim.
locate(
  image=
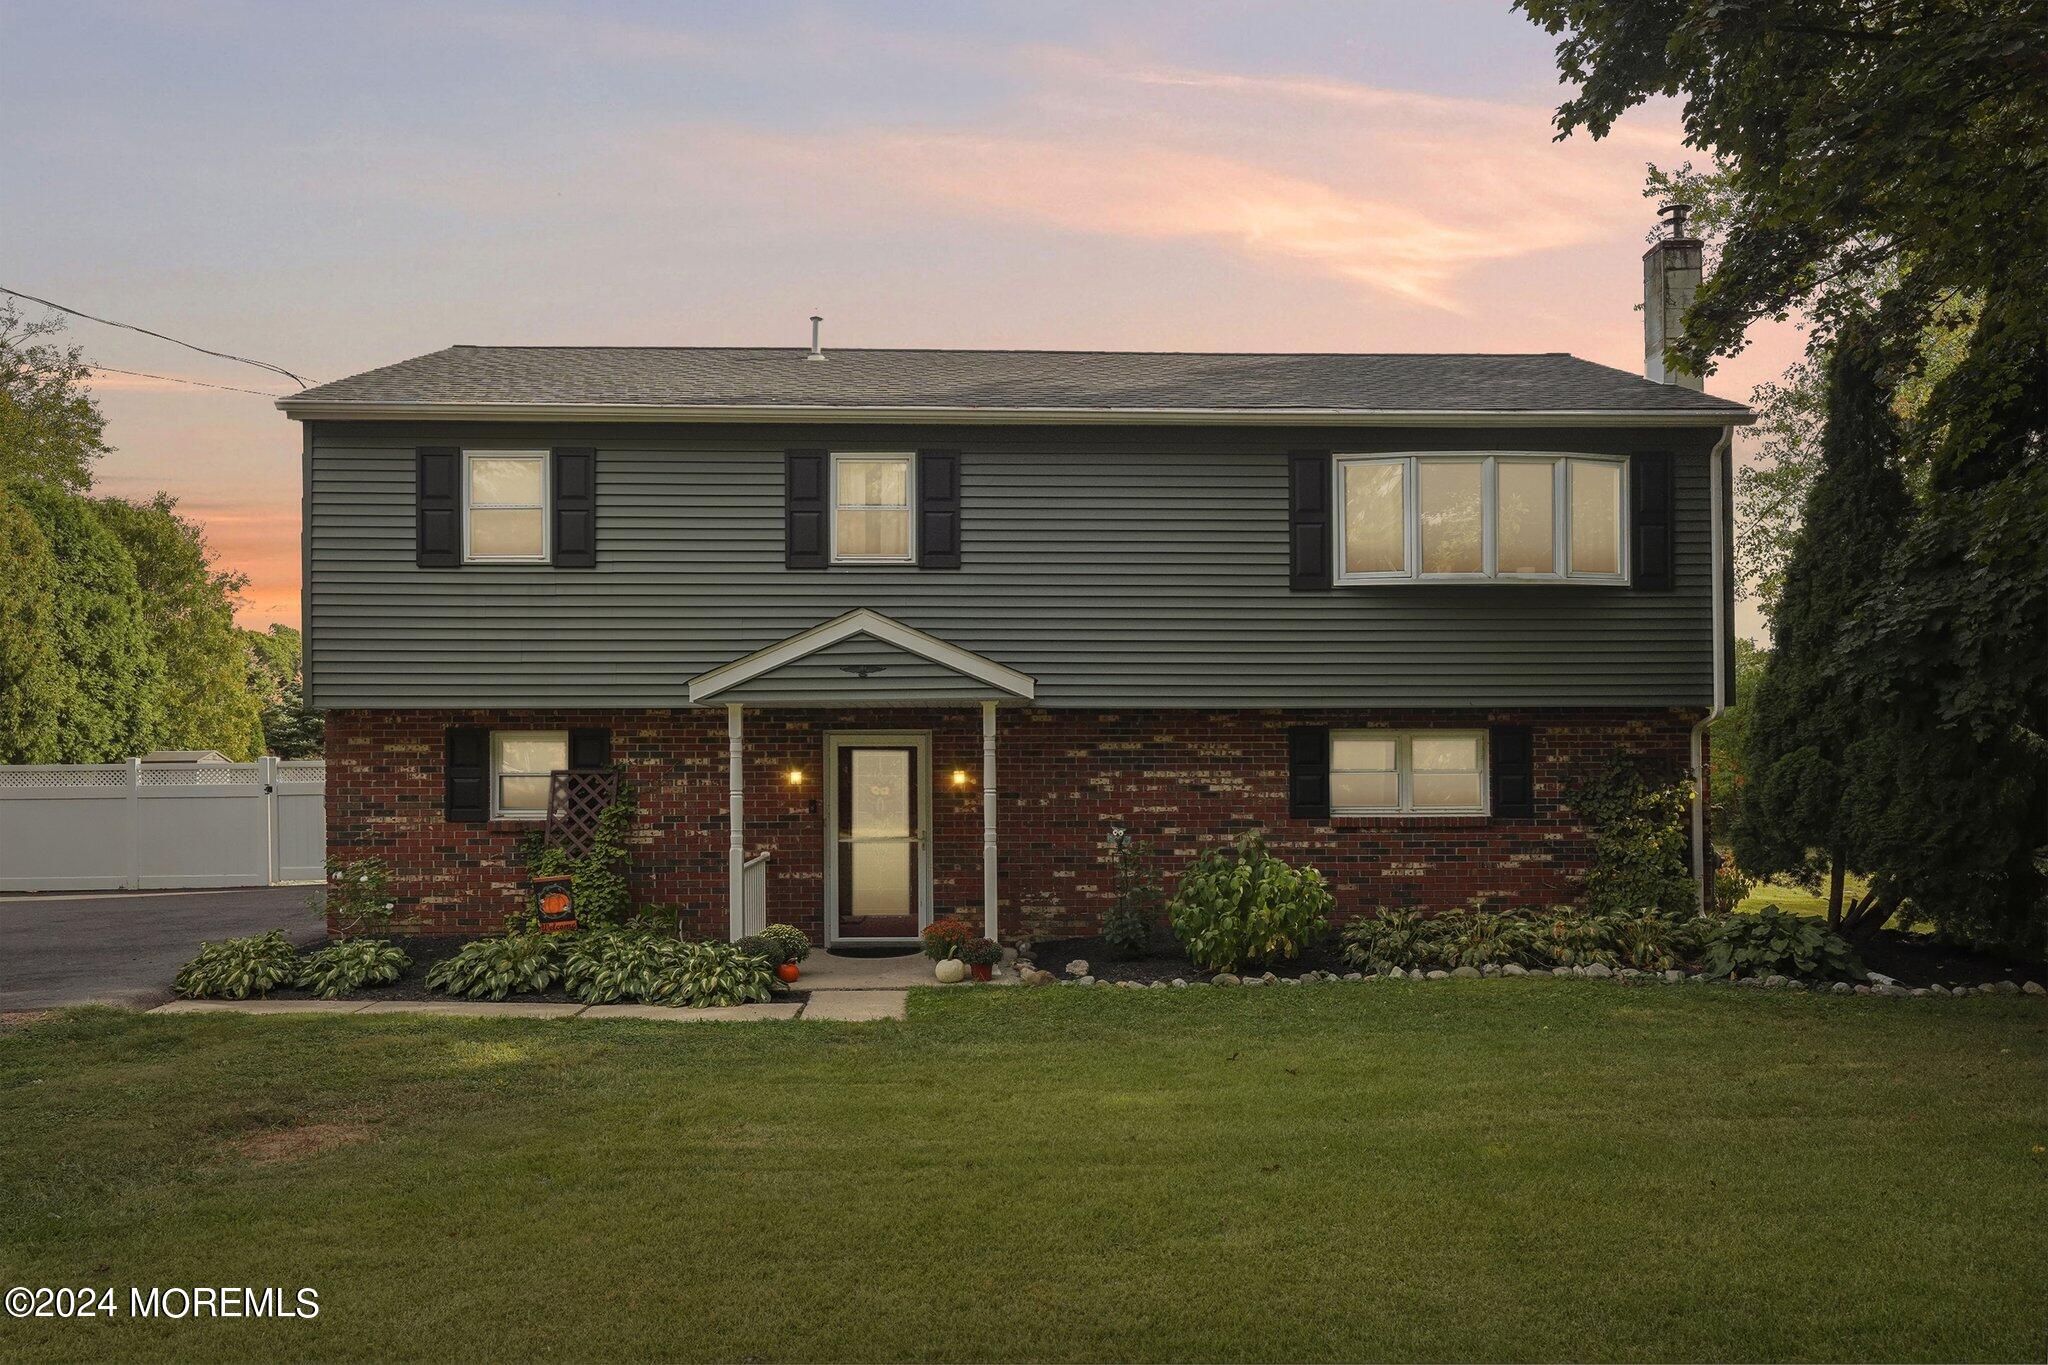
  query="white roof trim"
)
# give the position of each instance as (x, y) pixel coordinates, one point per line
(336, 410)
(707, 686)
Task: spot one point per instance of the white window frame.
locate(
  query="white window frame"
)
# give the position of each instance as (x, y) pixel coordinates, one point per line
(547, 498)
(1404, 773)
(1561, 463)
(909, 459)
(498, 812)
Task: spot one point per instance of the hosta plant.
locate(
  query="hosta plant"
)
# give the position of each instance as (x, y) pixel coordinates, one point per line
(1772, 942)
(603, 966)
(1389, 939)
(717, 974)
(493, 968)
(237, 968)
(1239, 905)
(346, 967)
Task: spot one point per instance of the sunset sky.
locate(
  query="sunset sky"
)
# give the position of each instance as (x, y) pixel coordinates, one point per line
(335, 187)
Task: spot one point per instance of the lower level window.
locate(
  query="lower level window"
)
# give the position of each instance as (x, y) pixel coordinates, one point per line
(1420, 772)
(521, 761)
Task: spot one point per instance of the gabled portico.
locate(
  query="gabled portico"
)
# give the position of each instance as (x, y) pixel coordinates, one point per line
(865, 659)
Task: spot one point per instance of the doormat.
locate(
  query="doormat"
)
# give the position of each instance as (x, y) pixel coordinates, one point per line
(873, 950)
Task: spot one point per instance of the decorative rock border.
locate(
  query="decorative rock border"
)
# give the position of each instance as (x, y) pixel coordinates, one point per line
(1077, 974)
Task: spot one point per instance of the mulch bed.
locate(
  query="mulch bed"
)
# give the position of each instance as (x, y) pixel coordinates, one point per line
(1909, 959)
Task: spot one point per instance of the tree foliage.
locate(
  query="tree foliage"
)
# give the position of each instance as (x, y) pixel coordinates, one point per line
(188, 607)
(1796, 821)
(32, 677)
(50, 429)
(109, 700)
(1895, 149)
(277, 680)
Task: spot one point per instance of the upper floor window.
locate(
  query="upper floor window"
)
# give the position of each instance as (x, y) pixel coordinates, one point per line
(521, 762)
(1458, 516)
(1407, 772)
(871, 509)
(505, 506)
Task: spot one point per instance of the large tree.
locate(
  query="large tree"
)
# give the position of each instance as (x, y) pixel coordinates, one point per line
(1894, 147)
(1795, 819)
(188, 608)
(32, 674)
(50, 429)
(277, 678)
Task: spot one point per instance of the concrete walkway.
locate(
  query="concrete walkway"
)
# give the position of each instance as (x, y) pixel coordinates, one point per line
(826, 971)
(862, 1006)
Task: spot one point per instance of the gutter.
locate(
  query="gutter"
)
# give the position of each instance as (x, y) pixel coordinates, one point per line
(1717, 463)
(310, 409)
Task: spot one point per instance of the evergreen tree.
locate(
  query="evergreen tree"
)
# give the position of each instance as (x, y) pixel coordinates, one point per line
(1796, 819)
(277, 678)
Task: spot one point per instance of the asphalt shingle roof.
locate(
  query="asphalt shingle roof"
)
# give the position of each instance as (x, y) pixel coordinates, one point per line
(702, 376)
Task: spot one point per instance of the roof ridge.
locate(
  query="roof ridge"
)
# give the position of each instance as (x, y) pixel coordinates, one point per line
(1021, 350)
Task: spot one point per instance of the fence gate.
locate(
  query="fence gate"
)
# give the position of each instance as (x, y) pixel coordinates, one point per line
(152, 826)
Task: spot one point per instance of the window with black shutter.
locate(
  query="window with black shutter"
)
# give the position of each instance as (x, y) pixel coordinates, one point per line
(938, 509)
(1308, 772)
(1653, 513)
(590, 749)
(575, 494)
(467, 773)
(803, 510)
(1308, 520)
(437, 511)
(1512, 753)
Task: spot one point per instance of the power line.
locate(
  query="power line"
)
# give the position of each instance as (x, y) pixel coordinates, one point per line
(109, 322)
(176, 379)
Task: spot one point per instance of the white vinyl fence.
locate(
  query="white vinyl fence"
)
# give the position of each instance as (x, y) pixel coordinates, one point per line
(151, 826)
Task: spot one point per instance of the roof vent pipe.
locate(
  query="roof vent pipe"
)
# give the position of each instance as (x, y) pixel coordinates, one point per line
(817, 347)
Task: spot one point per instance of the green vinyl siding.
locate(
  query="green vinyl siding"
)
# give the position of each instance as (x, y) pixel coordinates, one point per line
(1118, 567)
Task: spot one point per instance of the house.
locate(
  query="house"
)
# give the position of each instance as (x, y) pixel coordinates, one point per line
(921, 626)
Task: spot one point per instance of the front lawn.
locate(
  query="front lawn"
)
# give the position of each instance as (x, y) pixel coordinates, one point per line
(1498, 1169)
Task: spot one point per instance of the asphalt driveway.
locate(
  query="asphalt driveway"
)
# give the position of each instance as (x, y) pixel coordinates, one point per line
(123, 948)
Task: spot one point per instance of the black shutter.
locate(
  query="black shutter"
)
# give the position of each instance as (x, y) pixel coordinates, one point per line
(437, 514)
(1308, 772)
(468, 775)
(1652, 512)
(590, 749)
(803, 510)
(938, 509)
(1511, 755)
(575, 509)
(1308, 521)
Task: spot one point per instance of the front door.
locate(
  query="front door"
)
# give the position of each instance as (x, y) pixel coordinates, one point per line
(877, 840)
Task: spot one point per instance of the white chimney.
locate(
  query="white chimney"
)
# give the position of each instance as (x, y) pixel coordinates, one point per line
(1671, 276)
(817, 346)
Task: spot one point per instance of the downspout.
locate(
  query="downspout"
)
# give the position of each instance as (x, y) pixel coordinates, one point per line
(1716, 475)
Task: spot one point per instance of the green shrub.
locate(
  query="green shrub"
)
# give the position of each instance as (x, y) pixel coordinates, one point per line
(1562, 936)
(1641, 826)
(1773, 942)
(601, 966)
(718, 974)
(359, 895)
(237, 968)
(1239, 905)
(345, 967)
(791, 942)
(493, 968)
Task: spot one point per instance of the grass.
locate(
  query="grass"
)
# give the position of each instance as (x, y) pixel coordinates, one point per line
(1512, 1170)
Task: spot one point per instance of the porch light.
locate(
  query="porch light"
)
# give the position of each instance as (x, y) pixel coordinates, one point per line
(795, 777)
(959, 777)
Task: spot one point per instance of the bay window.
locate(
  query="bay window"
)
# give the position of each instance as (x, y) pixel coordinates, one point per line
(1481, 516)
(1408, 772)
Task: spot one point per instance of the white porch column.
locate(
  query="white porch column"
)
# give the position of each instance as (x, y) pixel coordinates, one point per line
(988, 819)
(737, 856)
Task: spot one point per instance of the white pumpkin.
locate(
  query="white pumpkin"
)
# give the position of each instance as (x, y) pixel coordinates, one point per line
(950, 970)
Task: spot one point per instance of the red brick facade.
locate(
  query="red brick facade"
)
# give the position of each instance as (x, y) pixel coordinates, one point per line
(1176, 779)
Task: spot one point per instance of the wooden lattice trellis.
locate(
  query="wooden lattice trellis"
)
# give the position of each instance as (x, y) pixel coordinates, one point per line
(577, 800)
